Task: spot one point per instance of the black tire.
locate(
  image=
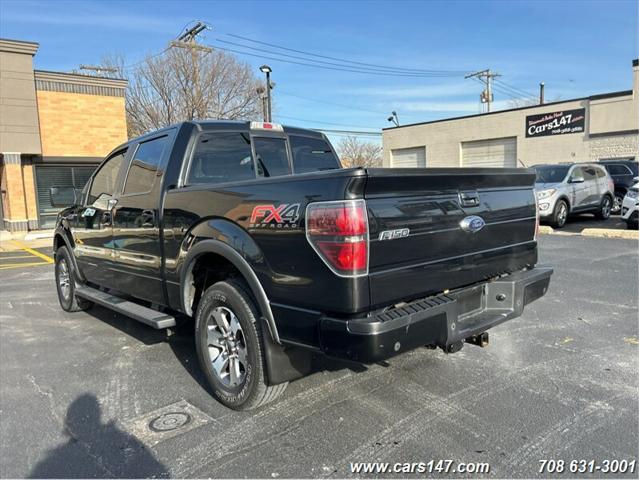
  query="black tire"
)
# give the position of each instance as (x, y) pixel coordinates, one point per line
(616, 205)
(559, 214)
(65, 283)
(247, 387)
(605, 208)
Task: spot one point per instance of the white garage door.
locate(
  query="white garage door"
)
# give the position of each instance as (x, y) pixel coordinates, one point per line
(499, 152)
(408, 157)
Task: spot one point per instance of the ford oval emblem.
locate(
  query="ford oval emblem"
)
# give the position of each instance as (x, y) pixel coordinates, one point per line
(472, 224)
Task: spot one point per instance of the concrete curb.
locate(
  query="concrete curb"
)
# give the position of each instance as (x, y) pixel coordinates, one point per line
(594, 232)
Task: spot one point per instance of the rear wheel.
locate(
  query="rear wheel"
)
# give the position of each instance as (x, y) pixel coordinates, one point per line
(229, 347)
(65, 283)
(560, 214)
(605, 208)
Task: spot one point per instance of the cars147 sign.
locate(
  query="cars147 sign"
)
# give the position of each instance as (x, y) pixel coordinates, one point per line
(556, 123)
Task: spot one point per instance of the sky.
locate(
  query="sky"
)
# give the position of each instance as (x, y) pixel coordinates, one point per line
(577, 48)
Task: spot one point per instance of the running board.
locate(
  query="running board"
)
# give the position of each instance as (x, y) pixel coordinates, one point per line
(138, 312)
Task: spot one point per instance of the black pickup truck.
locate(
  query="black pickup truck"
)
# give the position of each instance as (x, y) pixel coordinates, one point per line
(255, 232)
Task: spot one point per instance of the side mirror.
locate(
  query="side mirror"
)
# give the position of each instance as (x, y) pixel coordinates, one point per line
(577, 180)
(64, 196)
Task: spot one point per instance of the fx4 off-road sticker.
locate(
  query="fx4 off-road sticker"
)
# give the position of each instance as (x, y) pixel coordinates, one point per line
(285, 215)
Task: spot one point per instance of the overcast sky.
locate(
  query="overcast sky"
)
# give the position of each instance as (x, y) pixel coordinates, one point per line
(577, 48)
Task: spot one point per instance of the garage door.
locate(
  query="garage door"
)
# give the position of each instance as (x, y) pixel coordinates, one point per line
(408, 157)
(498, 153)
(48, 176)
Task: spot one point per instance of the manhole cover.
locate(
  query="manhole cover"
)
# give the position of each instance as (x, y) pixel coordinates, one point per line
(169, 421)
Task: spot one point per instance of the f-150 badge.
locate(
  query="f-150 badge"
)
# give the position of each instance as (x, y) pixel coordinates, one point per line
(393, 234)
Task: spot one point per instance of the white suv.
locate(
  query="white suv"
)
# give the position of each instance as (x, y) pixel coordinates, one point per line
(630, 207)
(563, 189)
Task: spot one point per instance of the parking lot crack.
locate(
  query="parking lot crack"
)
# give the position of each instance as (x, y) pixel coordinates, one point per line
(48, 395)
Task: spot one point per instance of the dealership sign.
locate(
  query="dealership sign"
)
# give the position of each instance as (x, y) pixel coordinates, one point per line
(556, 123)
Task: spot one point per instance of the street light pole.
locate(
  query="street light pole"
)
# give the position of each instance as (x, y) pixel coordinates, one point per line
(267, 70)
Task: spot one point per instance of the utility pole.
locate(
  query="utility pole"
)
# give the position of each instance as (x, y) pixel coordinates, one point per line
(486, 76)
(541, 93)
(188, 40)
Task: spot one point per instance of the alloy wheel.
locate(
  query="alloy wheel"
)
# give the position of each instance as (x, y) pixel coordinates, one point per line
(64, 279)
(616, 207)
(226, 346)
(562, 214)
(606, 207)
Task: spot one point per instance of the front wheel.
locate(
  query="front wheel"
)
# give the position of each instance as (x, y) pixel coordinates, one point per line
(229, 347)
(605, 208)
(65, 283)
(559, 215)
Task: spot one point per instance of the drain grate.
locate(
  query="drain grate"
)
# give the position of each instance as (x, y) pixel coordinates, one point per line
(169, 421)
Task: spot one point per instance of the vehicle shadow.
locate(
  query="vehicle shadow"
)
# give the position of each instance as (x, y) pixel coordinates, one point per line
(181, 341)
(97, 450)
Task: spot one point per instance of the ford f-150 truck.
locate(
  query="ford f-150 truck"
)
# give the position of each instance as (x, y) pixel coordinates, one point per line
(255, 232)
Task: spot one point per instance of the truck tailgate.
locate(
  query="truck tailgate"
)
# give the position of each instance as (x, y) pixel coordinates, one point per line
(436, 252)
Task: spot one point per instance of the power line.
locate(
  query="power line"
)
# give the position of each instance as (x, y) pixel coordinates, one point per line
(278, 59)
(407, 70)
(514, 89)
(322, 122)
(347, 65)
(349, 132)
(326, 102)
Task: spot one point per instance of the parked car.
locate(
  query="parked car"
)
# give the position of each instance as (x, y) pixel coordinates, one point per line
(563, 189)
(623, 173)
(255, 232)
(630, 207)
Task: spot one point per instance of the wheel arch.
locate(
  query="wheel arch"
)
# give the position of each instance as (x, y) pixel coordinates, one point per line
(226, 252)
(62, 238)
(567, 200)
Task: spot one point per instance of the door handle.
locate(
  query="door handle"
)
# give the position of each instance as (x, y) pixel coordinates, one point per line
(469, 199)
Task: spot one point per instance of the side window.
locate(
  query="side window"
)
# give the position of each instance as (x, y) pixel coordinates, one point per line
(576, 173)
(271, 157)
(312, 154)
(590, 173)
(221, 157)
(104, 181)
(144, 166)
(601, 172)
(619, 170)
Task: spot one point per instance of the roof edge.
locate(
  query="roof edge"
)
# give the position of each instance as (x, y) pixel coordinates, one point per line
(18, 46)
(79, 79)
(600, 96)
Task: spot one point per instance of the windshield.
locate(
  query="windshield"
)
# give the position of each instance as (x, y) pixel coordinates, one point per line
(554, 174)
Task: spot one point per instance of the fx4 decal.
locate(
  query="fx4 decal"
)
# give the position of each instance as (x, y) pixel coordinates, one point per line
(285, 215)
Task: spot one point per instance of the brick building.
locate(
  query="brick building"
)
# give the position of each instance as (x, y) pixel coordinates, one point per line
(599, 127)
(54, 130)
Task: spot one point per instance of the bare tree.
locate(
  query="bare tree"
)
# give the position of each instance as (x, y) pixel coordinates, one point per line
(356, 153)
(187, 84)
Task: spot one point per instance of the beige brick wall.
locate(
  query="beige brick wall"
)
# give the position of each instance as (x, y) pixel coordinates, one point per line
(73, 124)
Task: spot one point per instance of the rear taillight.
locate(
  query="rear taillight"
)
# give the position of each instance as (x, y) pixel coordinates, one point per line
(338, 232)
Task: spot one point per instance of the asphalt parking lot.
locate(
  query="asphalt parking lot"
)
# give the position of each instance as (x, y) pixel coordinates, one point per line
(79, 391)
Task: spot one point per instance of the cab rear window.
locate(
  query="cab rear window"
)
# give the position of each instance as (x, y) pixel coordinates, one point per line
(311, 154)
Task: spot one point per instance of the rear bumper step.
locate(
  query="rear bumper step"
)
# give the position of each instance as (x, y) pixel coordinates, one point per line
(441, 320)
(138, 312)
